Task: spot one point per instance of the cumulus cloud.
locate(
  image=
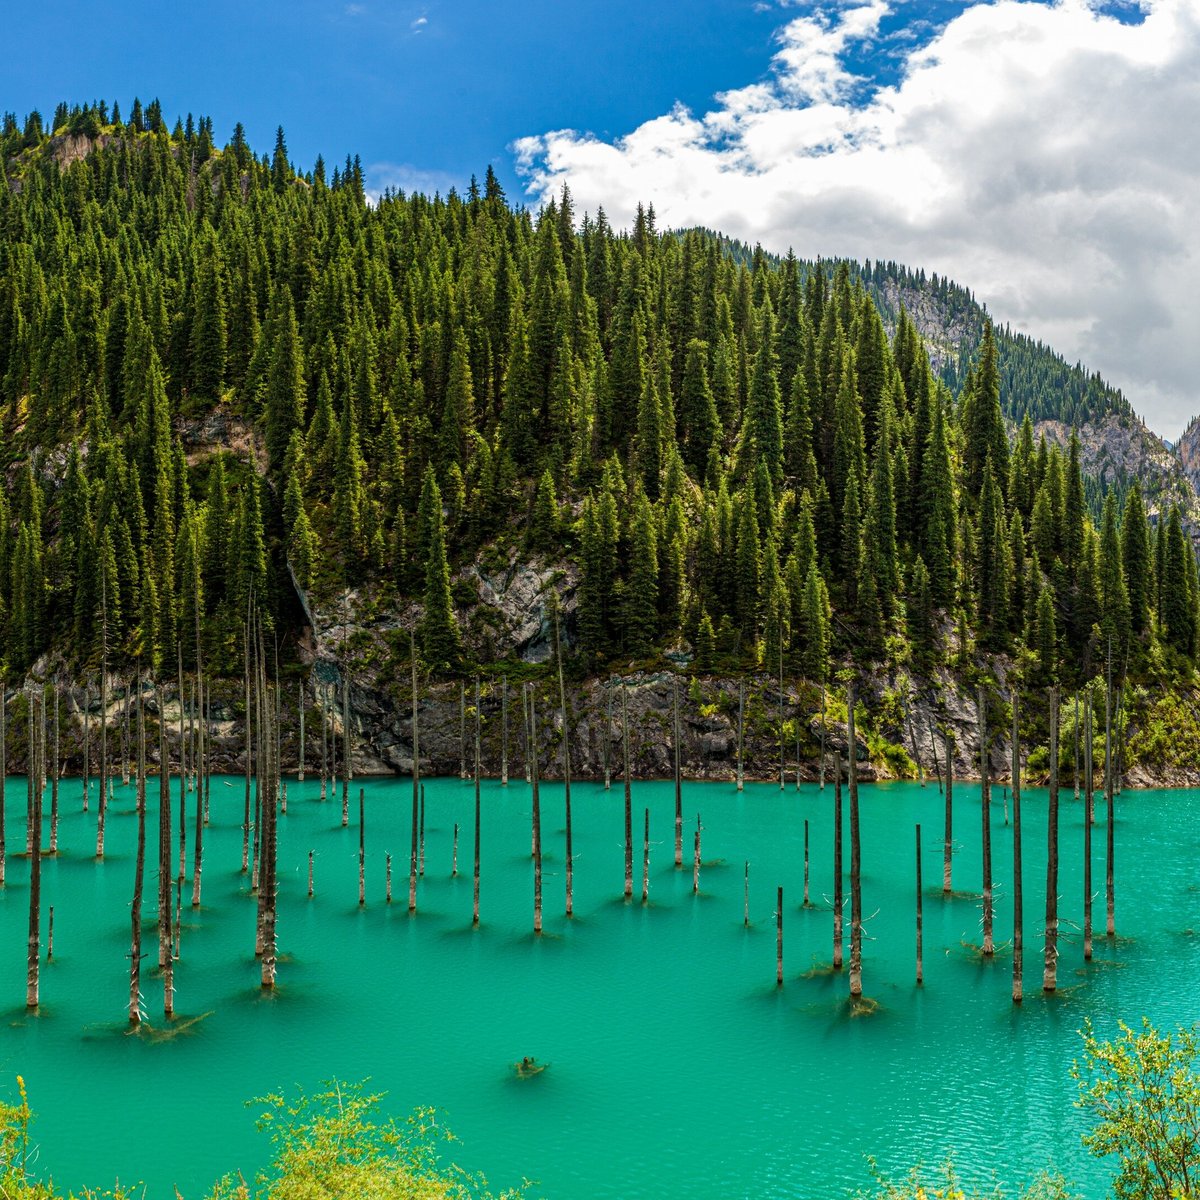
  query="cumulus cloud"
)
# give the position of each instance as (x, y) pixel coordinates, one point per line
(1045, 155)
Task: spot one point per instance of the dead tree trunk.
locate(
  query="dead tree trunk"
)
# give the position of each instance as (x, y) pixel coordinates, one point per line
(855, 855)
(838, 901)
(1050, 971)
(165, 960)
(678, 775)
(462, 729)
(937, 766)
(182, 777)
(347, 770)
(821, 764)
(1018, 982)
(135, 945)
(741, 775)
(537, 814)
(421, 837)
(1110, 923)
(746, 897)
(478, 739)
(696, 859)
(948, 842)
(54, 774)
(920, 931)
(646, 860)
(985, 793)
(806, 900)
(503, 732)
(362, 848)
(1088, 804)
(33, 767)
(87, 745)
(249, 750)
(779, 938)
(300, 755)
(628, 797)
(566, 764)
(103, 807)
(416, 783)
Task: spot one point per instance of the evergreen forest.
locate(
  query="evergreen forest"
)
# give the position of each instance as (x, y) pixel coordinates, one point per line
(227, 385)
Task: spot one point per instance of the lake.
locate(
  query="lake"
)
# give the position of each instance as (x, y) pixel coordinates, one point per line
(676, 1064)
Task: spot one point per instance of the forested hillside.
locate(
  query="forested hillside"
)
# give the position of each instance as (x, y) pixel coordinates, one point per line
(226, 384)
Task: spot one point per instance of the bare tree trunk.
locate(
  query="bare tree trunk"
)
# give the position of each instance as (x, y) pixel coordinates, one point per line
(746, 898)
(182, 777)
(462, 730)
(948, 842)
(165, 961)
(1050, 971)
(1018, 982)
(696, 859)
(87, 745)
(269, 882)
(478, 739)
(135, 945)
(421, 837)
(537, 814)
(821, 765)
(937, 766)
(33, 768)
(249, 750)
(855, 854)
(678, 776)
(985, 793)
(1088, 817)
(1076, 743)
(310, 874)
(454, 854)
(416, 782)
(388, 877)
(607, 735)
(920, 931)
(566, 764)
(54, 774)
(324, 744)
(347, 766)
(362, 848)
(503, 732)
(300, 754)
(806, 900)
(628, 797)
(741, 775)
(1110, 924)
(103, 808)
(646, 860)
(838, 900)
(525, 729)
(779, 938)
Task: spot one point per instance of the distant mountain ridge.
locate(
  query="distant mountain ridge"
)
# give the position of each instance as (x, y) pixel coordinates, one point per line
(1116, 444)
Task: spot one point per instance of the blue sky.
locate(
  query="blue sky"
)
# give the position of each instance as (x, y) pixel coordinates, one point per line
(1044, 154)
(437, 90)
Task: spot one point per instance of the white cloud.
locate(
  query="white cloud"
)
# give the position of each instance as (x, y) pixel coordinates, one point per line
(1046, 156)
(405, 177)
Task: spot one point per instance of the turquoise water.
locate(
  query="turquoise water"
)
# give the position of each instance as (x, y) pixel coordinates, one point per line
(677, 1066)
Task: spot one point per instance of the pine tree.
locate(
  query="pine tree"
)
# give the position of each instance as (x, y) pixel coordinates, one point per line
(1135, 558)
(699, 424)
(544, 523)
(440, 644)
(284, 391)
(640, 617)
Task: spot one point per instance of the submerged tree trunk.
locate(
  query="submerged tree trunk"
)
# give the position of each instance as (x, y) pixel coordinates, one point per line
(135, 945)
(362, 847)
(54, 774)
(806, 901)
(478, 739)
(920, 931)
(103, 805)
(566, 765)
(779, 938)
(537, 814)
(837, 862)
(32, 979)
(1018, 983)
(1088, 806)
(855, 857)
(628, 797)
(165, 961)
(696, 859)
(741, 733)
(1050, 970)
(948, 840)
(1110, 922)
(416, 783)
(985, 794)
(678, 775)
